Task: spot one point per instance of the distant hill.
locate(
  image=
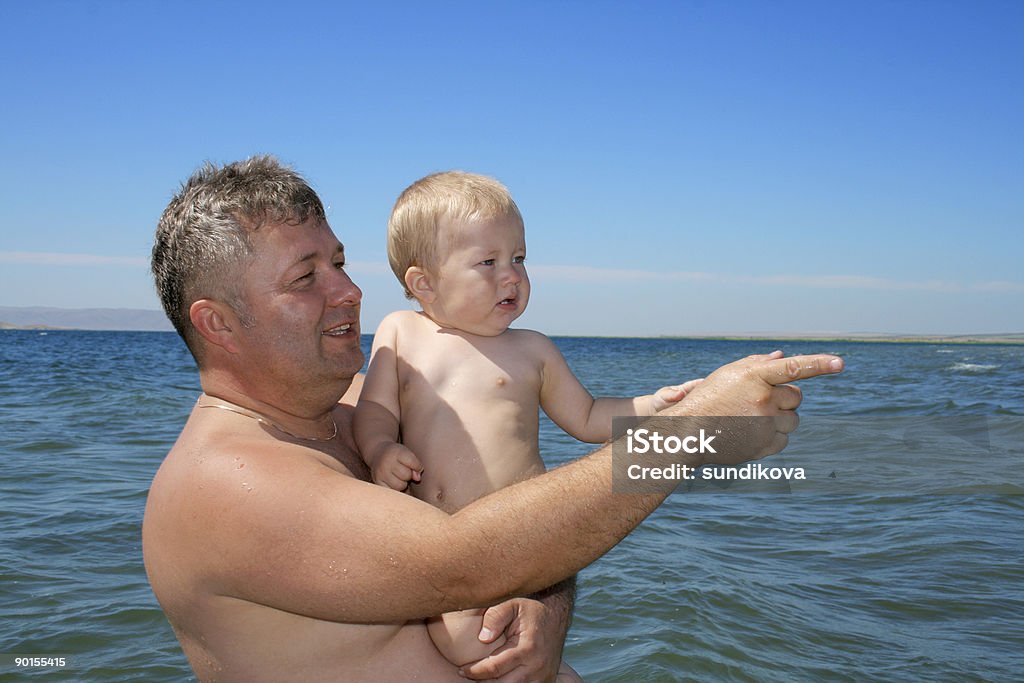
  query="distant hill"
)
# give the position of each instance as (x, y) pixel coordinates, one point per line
(83, 318)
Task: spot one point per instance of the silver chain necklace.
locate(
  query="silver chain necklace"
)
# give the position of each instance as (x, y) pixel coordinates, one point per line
(264, 420)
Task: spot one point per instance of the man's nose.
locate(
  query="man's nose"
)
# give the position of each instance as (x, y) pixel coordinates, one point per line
(343, 291)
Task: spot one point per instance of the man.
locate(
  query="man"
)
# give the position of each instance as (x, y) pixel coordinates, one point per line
(272, 555)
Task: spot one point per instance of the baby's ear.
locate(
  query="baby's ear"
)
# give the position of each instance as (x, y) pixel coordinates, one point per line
(420, 283)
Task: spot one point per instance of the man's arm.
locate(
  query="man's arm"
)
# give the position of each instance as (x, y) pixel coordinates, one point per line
(300, 537)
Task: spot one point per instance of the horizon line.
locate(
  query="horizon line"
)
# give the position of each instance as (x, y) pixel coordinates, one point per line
(574, 273)
(803, 335)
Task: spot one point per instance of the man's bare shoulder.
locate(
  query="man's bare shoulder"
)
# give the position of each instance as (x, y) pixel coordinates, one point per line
(238, 513)
(228, 472)
(221, 460)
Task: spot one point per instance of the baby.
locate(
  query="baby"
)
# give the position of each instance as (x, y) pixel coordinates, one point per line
(449, 408)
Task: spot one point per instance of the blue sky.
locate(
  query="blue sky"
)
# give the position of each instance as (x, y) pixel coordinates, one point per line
(683, 167)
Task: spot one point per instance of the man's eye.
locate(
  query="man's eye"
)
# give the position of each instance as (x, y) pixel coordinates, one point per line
(308, 276)
(340, 265)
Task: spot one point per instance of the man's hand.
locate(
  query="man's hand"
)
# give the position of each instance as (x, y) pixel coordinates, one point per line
(533, 650)
(756, 386)
(395, 466)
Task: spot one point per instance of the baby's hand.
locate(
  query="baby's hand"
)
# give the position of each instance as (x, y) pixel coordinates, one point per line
(667, 396)
(395, 466)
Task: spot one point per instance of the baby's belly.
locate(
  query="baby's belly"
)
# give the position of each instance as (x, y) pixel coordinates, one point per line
(451, 488)
(470, 448)
(459, 469)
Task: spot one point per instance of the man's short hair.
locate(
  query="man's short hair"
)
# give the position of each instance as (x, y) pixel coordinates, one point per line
(204, 235)
(414, 226)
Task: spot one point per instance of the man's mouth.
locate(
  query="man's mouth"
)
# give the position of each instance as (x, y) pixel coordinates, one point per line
(339, 330)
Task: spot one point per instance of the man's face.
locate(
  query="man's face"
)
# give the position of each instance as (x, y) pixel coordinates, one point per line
(303, 308)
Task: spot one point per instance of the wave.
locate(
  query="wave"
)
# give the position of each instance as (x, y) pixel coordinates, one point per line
(972, 367)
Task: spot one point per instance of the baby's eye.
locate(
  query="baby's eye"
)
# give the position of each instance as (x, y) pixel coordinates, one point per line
(487, 262)
(519, 259)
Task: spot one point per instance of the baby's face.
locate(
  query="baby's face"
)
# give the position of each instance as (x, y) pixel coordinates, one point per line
(481, 284)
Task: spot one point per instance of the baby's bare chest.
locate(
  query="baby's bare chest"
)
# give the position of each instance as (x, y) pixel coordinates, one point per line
(458, 372)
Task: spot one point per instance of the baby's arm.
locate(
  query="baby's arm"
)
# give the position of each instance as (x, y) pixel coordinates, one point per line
(376, 424)
(569, 405)
(660, 399)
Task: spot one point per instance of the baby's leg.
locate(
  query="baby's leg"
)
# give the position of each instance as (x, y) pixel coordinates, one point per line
(456, 635)
(566, 674)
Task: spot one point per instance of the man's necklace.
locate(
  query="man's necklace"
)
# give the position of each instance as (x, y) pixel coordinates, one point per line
(263, 419)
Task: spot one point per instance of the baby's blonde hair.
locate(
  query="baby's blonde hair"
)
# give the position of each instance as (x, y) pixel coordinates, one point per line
(414, 226)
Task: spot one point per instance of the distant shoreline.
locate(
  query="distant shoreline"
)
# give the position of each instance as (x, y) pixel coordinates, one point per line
(147, 320)
(962, 339)
(1010, 339)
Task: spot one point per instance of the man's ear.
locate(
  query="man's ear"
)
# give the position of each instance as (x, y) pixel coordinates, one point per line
(420, 283)
(216, 322)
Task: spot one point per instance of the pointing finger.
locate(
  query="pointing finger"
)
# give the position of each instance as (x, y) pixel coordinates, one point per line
(766, 356)
(783, 370)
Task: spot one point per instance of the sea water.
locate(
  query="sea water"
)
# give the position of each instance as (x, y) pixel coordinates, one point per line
(908, 564)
